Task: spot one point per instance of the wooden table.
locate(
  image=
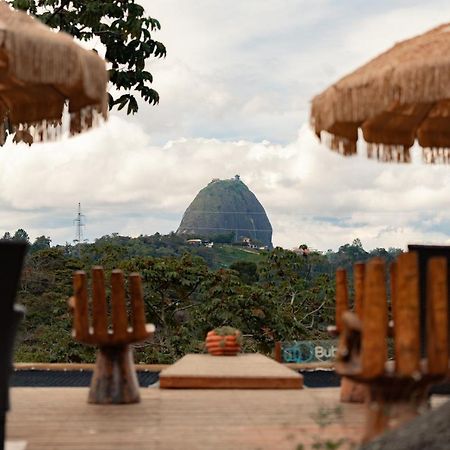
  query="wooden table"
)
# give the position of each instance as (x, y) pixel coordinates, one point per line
(245, 371)
(172, 419)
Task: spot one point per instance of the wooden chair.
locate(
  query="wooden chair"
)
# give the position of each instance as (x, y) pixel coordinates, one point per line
(12, 254)
(397, 388)
(114, 379)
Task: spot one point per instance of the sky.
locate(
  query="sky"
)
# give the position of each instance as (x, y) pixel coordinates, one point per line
(235, 91)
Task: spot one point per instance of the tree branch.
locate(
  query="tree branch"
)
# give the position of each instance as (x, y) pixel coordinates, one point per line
(64, 3)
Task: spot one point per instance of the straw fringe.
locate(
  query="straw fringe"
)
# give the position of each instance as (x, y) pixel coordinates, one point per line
(339, 144)
(436, 155)
(389, 153)
(51, 130)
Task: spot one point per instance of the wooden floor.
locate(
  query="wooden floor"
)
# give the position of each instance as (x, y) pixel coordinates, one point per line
(166, 419)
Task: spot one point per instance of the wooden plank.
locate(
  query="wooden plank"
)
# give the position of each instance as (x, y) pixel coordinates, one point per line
(393, 286)
(406, 325)
(247, 371)
(137, 307)
(341, 297)
(82, 366)
(99, 306)
(437, 316)
(374, 334)
(327, 365)
(81, 311)
(118, 306)
(359, 270)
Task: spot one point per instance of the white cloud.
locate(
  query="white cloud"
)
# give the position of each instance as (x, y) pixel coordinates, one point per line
(129, 186)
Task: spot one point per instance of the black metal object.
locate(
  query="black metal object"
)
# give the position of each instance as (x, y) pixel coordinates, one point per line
(69, 378)
(12, 254)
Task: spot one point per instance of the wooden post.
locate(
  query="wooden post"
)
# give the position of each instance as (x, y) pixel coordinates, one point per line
(341, 297)
(374, 334)
(437, 316)
(406, 313)
(118, 305)
(81, 318)
(359, 270)
(99, 306)
(137, 307)
(277, 352)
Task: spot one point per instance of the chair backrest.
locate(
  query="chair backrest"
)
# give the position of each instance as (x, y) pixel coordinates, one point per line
(97, 330)
(406, 312)
(12, 254)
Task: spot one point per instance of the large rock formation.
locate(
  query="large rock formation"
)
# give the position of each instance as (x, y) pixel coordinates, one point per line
(227, 207)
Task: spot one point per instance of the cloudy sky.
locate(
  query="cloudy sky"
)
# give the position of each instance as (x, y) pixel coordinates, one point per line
(235, 90)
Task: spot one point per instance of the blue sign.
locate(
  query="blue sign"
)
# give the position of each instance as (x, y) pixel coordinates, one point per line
(308, 351)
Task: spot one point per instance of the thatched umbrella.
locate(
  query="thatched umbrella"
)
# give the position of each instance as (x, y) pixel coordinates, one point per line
(398, 97)
(41, 71)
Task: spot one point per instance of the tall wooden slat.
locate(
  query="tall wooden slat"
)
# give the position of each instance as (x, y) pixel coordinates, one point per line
(393, 273)
(118, 305)
(407, 315)
(437, 316)
(99, 306)
(137, 306)
(81, 311)
(359, 270)
(341, 297)
(374, 334)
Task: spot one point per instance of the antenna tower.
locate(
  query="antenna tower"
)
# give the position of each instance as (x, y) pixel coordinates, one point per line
(79, 224)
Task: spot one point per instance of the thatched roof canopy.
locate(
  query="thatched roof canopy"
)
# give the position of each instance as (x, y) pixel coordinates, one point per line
(41, 70)
(398, 97)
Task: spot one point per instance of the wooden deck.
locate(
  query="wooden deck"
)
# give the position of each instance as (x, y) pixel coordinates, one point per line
(170, 419)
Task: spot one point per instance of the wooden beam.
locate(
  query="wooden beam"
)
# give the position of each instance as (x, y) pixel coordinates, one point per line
(407, 313)
(359, 270)
(81, 318)
(374, 334)
(437, 316)
(341, 297)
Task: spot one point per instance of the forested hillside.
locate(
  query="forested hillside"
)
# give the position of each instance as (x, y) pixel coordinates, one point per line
(269, 295)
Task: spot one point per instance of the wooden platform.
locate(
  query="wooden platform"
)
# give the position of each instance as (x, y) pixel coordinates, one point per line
(183, 419)
(247, 371)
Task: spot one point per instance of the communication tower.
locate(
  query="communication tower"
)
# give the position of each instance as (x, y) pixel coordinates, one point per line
(79, 224)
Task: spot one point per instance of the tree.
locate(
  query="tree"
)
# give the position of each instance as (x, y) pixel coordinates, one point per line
(41, 243)
(248, 271)
(21, 235)
(122, 27)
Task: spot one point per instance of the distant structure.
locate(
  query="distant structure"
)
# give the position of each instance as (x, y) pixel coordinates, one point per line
(79, 224)
(227, 209)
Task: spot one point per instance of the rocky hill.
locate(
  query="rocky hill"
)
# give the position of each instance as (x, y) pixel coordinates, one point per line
(227, 207)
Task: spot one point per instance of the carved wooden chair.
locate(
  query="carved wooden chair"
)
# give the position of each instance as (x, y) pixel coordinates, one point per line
(398, 387)
(114, 379)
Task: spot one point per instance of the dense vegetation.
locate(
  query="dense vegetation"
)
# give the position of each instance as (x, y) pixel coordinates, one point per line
(269, 295)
